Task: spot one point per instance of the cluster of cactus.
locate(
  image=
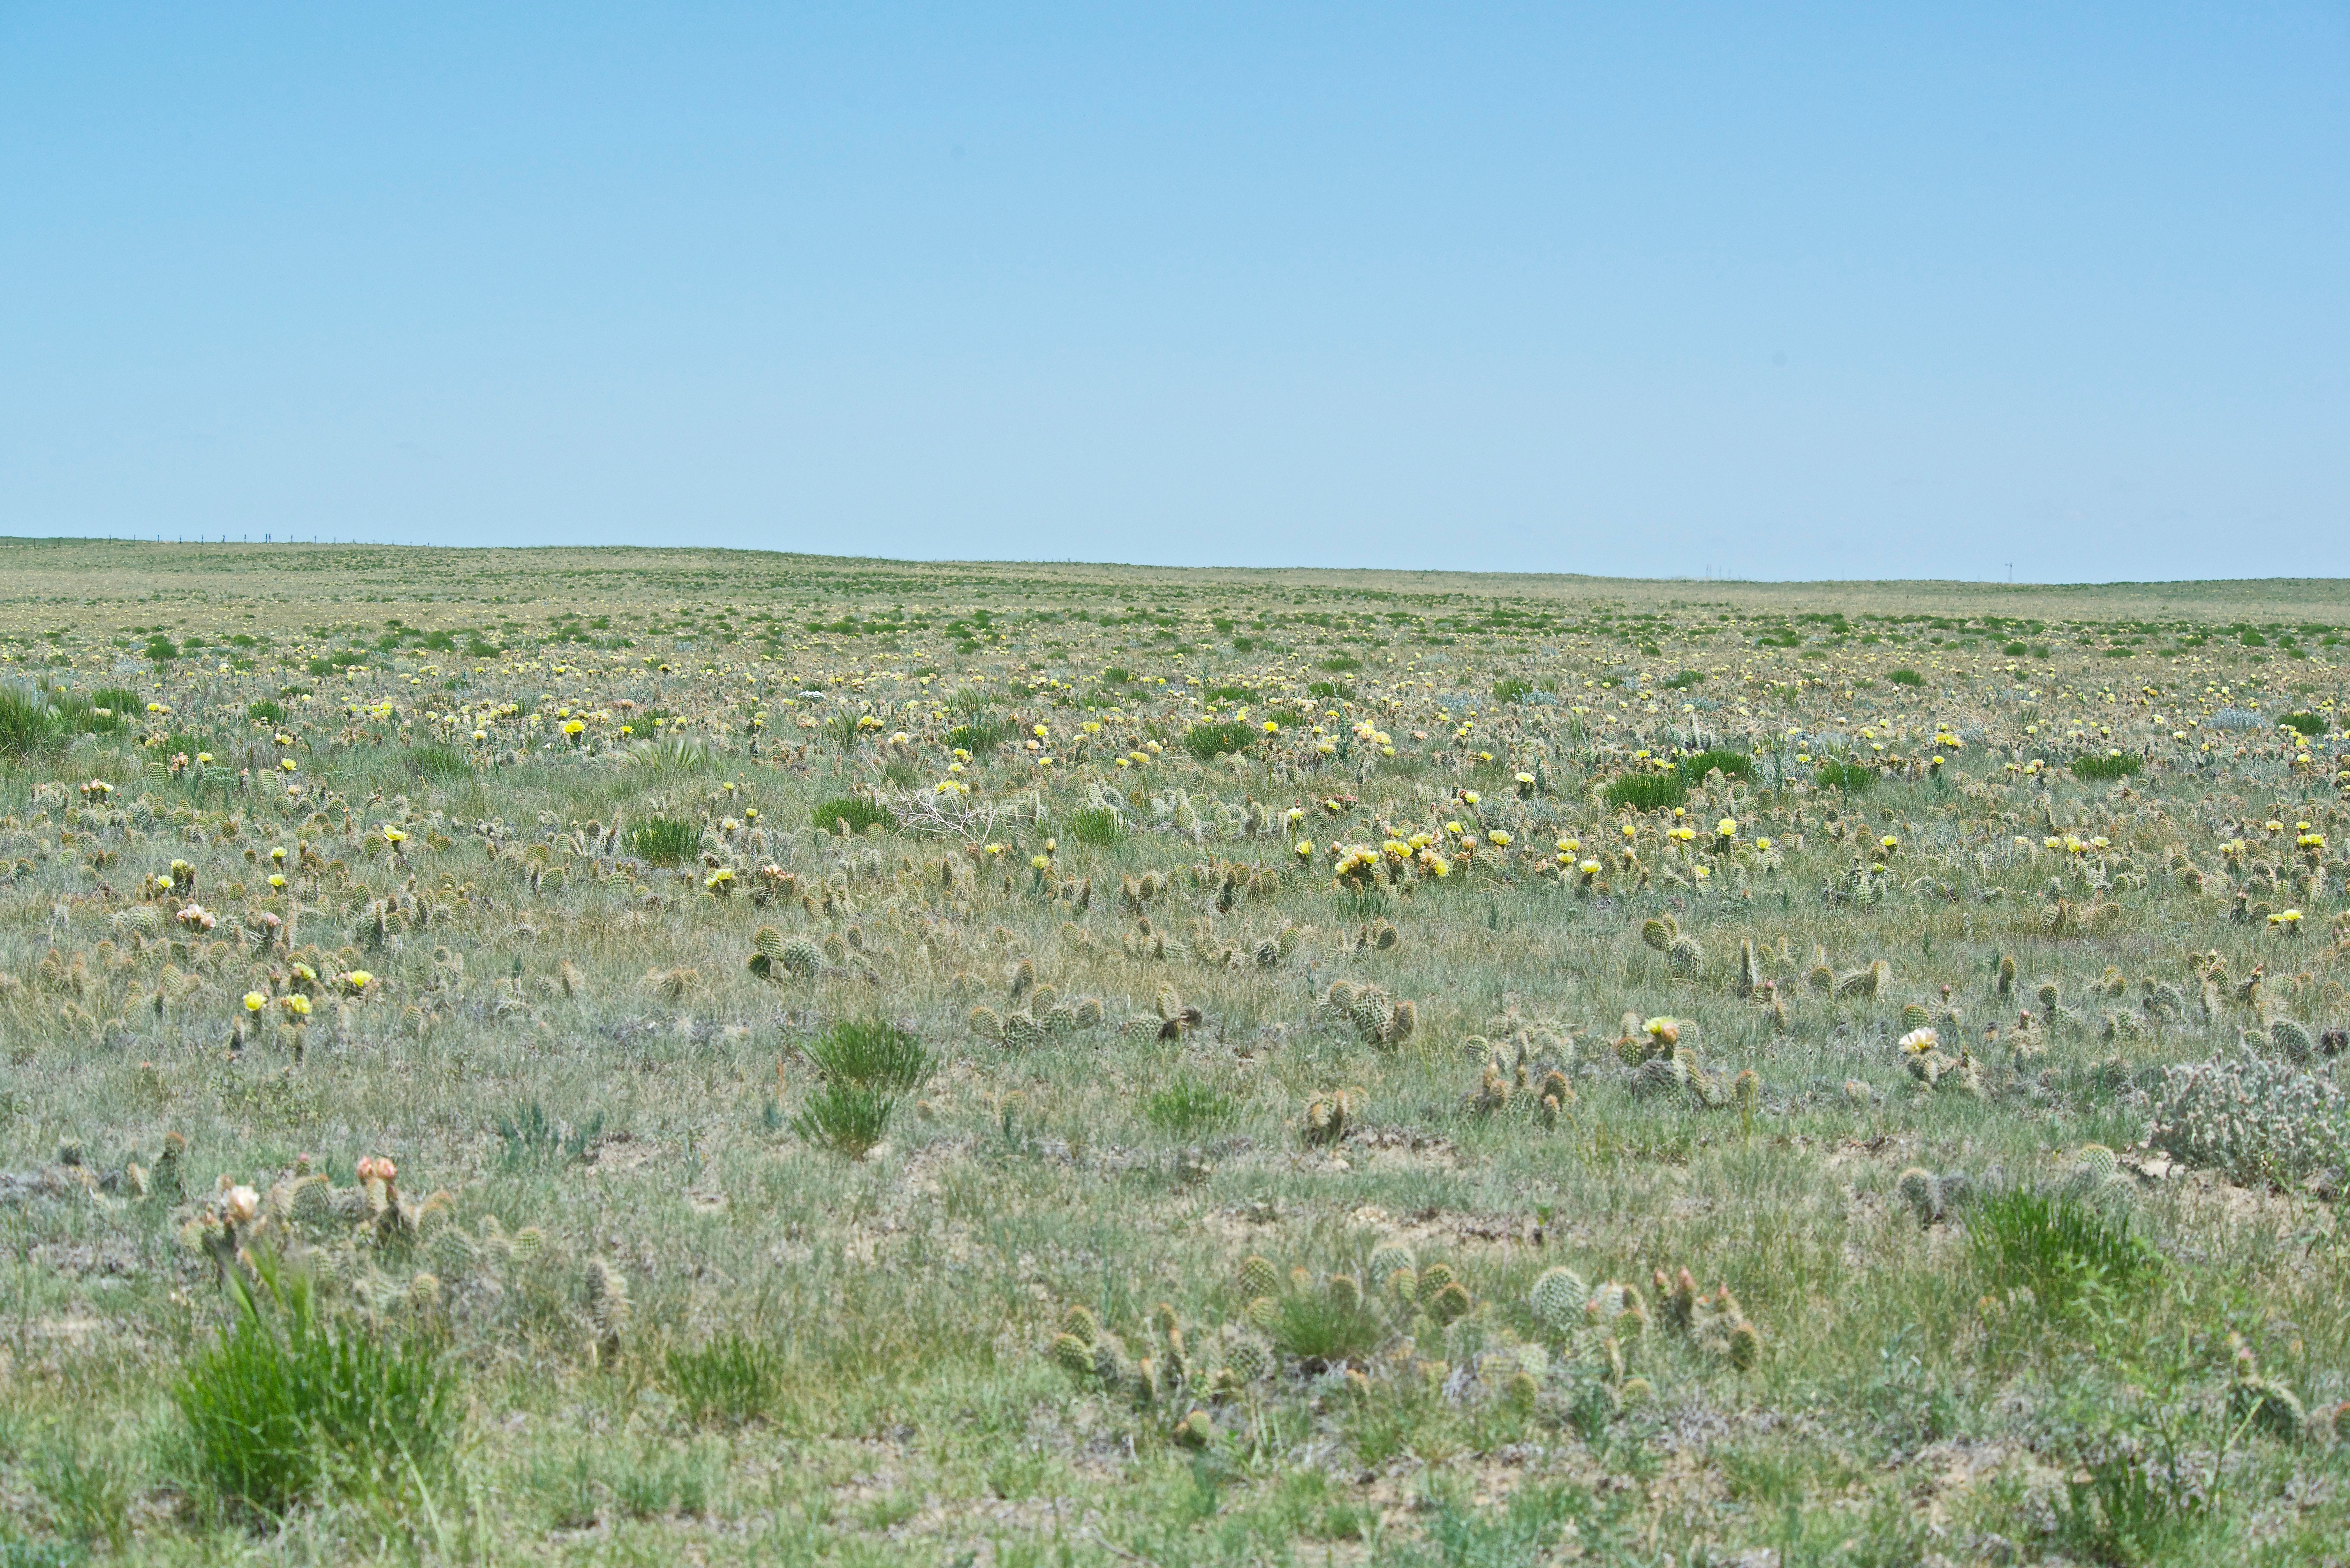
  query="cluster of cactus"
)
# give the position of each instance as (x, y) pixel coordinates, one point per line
(1930, 1065)
(1378, 1018)
(1713, 1322)
(1038, 1011)
(1380, 936)
(1329, 1115)
(1546, 1098)
(1680, 1073)
(1932, 1198)
(2096, 1175)
(2269, 1405)
(1601, 1328)
(1270, 951)
(774, 956)
(1750, 970)
(1174, 1368)
(1532, 1037)
(1136, 892)
(1684, 954)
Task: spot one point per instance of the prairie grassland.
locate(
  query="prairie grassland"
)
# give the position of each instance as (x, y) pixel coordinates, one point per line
(655, 1056)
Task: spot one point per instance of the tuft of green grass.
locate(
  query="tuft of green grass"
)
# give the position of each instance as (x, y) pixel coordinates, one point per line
(666, 840)
(1510, 689)
(2094, 770)
(979, 736)
(1685, 680)
(872, 1052)
(2063, 1251)
(1905, 678)
(1649, 792)
(2308, 723)
(532, 1139)
(1098, 827)
(847, 1118)
(730, 1381)
(856, 810)
(865, 1063)
(28, 725)
(268, 711)
(1186, 1105)
(1734, 765)
(294, 1403)
(1207, 739)
(435, 762)
(1850, 777)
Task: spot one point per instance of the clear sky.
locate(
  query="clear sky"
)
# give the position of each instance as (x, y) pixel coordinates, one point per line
(1758, 291)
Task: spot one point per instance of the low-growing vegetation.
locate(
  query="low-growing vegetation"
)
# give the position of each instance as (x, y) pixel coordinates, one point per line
(627, 1056)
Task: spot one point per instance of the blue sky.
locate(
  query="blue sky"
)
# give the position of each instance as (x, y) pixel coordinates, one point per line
(1769, 292)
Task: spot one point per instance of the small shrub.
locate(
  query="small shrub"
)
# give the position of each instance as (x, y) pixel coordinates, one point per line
(666, 840)
(1905, 678)
(1206, 740)
(1734, 765)
(2094, 770)
(292, 1404)
(1850, 777)
(1649, 792)
(730, 1381)
(856, 810)
(1096, 825)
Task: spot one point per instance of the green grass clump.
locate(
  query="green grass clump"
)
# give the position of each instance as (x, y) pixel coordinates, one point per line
(866, 1064)
(666, 840)
(1905, 678)
(1649, 792)
(979, 736)
(2308, 723)
(1207, 739)
(1685, 680)
(268, 711)
(855, 810)
(872, 1052)
(1734, 765)
(294, 1402)
(1187, 1105)
(2061, 1250)
(1850, 777)
(435, 762)
(730, 1381)
(1510, 689)
(28, 725)
(2103, 770)
(1096, 825)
